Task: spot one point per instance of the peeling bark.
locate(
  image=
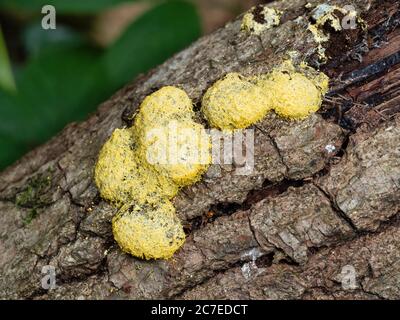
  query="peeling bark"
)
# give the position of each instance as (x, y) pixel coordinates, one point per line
(323, 197)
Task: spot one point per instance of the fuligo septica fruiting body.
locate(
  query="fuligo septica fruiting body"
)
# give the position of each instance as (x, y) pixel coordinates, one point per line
(150, 230)
(236, 102)
(141, 168)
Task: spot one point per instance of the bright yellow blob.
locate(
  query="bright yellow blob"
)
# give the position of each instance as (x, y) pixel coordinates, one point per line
(158, 109)
(122, 176)
(295, 93)
(152, 231)
(179, 151)
(146, 165)
(236, 102)
(141, 168)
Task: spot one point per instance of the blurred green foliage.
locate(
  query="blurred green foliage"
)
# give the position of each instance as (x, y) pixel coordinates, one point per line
(6, 77)
(62, 6)
(65, 78)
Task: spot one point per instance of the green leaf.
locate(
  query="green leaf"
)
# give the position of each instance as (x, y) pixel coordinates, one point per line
(10, 150)
(62, 6)
(59, 87)
(11, 115)
(151, 39)
(12, 121)
(36, 39)
(56, 88)
(6, 75)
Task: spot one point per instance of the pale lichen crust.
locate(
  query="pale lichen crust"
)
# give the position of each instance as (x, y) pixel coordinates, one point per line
(260, 18)
(235, 102)
(141, 168)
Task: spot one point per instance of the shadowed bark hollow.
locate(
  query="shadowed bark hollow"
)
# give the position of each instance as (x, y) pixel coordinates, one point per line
(317, 218)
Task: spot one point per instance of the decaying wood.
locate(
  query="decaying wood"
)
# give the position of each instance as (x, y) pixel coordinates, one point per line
(323, 198)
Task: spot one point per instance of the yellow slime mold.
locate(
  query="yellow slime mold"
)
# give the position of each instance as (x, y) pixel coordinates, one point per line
(236, 102)
(295, 93)
(121, 176)
(141, 168)
(187, 153)
(152, 231)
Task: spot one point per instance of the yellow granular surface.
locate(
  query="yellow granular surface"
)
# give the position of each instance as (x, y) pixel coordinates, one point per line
(235, 102)
(147, 164)
(141, 168)
(122, 176)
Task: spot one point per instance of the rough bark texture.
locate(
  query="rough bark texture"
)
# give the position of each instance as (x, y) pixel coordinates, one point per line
(287, 231)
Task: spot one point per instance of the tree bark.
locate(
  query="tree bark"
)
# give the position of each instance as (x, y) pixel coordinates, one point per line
(317, 219)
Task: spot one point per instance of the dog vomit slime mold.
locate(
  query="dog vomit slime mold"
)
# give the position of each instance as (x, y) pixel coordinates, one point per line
(141, 168)
(236, 102)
